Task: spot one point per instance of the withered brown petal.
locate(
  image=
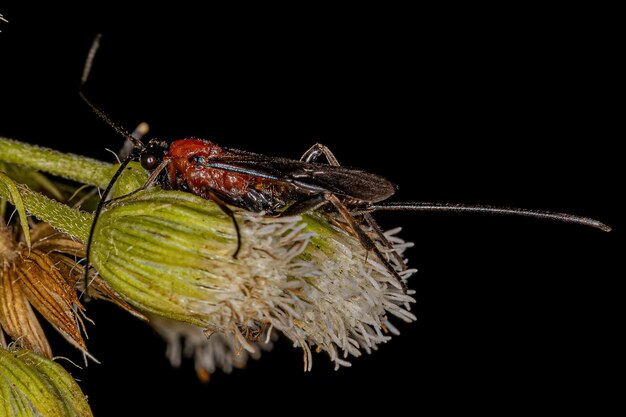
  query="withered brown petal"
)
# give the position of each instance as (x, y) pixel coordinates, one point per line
(60, 244)
(48, 239)
(98, 288)
(39, 231)
(50, 294)
(18, 318)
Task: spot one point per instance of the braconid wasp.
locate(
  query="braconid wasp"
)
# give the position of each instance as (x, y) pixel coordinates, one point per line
(281, 187)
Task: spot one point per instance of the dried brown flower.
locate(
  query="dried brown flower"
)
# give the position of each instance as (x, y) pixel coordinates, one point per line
(44, 278)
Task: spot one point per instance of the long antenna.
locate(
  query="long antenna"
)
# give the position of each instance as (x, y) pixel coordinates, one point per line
(83, 80)
(458, 208)
(121, 131)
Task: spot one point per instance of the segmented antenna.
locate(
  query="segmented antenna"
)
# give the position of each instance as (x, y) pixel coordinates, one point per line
(83, 80)
(121, 131)
(448, 207)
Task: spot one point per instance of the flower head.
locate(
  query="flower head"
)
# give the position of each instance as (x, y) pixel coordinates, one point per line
(31, 385)
(170, 253)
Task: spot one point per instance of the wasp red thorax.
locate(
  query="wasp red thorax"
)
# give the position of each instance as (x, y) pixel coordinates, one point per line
(188, 169)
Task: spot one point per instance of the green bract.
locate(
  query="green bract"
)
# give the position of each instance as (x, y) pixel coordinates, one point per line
(34, 386)
(163, 252)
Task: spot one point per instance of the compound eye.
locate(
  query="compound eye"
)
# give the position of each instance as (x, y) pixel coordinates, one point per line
(149, 161)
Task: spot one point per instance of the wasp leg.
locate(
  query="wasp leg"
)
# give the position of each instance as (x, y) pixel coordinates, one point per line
(151, 179)
(318, 150)
(363, 237)
(316, 201)
(307, 204)
(369, 219)
(222, 205)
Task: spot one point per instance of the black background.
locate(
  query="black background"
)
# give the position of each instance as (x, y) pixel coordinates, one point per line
(452, 105)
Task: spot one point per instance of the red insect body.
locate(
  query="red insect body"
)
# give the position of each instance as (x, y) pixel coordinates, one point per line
(183, 170)
(259, 183)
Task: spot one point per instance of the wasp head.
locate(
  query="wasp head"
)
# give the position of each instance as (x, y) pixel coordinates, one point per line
(154, 152)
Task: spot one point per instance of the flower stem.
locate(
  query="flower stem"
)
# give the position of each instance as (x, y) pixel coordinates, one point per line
(70, 166)
(60, 216)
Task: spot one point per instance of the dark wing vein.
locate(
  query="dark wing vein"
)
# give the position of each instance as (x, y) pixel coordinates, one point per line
(313, 177)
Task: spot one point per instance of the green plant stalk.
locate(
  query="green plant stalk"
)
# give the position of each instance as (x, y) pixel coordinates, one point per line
(60, 216)
(74, 167)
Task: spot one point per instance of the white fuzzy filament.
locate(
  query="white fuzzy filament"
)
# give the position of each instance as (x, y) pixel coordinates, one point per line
(334, 299)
